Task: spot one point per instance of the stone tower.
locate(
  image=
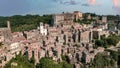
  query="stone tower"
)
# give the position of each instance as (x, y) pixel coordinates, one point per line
(8, 25)
(104, 19)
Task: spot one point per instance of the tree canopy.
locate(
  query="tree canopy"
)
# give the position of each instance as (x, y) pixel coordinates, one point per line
(49, 63)
(107, 42)
(22, 62)
(27, 22)
(102, 60)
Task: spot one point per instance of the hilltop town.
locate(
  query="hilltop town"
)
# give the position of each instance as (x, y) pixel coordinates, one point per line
(72, 35)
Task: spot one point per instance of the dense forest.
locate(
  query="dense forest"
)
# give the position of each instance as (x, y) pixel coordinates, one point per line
(102, 60)
(107, 42)
(23, 62)
(27, 22)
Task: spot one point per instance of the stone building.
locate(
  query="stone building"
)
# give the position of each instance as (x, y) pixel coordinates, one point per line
(104, 19)
(5, 33)
(85, 36)
(89, 16)
(118, 26)
(43, 29)
(88, 57)
(78, 15)
(58, 18)
(66, 17)
(98, 33)
(15, 48)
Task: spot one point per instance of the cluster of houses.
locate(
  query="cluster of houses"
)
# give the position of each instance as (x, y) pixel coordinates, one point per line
(65, 38)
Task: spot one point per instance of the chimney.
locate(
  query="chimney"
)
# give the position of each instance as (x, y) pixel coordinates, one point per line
(8, 24)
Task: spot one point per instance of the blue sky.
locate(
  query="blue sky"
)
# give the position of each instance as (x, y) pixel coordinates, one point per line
(22, 7)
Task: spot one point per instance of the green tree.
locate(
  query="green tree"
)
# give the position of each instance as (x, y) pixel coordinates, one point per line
(66, 65)
(22, 61)
(49, 63)
(32, 60)
(45, 63)
(112, 41)
(99, 42)
(102, 60)
(25, 23)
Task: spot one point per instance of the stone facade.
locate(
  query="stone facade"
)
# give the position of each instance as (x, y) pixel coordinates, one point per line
(78, 15)
(66, 17)
(104, 19)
